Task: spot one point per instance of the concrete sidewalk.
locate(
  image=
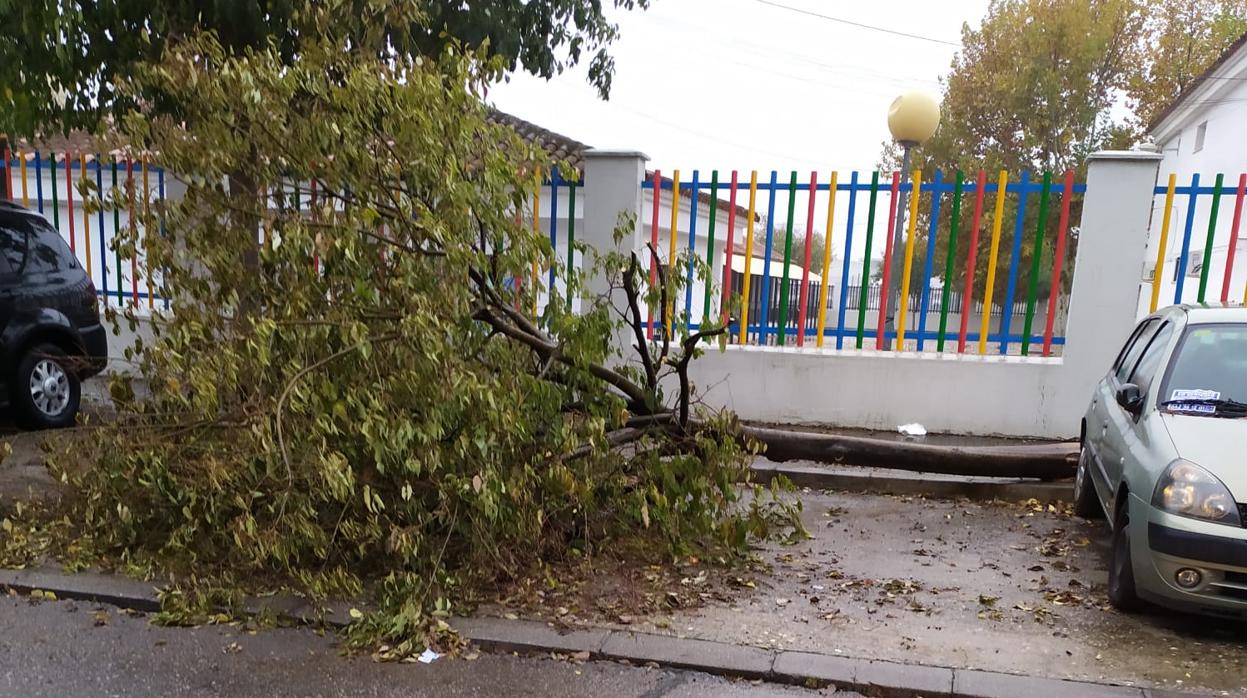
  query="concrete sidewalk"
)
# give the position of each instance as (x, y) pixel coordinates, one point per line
(878, 678)
(1003, 588)
(894, 596)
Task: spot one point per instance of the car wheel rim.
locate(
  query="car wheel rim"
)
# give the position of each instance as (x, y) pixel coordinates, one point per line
(49, 387)
(1078, 478)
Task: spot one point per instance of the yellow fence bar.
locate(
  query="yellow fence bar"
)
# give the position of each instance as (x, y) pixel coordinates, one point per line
(675, 221)
(1164, 243)
(902, 307)
(822, 293)
(536, 232)
(21, 159)
(744, 291)
(997, 218)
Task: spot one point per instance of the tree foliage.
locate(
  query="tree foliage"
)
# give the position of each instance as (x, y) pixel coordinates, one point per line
(364, 409)
(1036, 87)
(61, 63)
(1182, 39)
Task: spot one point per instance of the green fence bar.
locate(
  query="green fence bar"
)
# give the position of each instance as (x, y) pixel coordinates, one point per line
(865, 283)
(1033, 293)
(1212, 230)
(56, 207)
(714, 206)
(945, 294)
(116, 231)
(782, 328)
(571, 237)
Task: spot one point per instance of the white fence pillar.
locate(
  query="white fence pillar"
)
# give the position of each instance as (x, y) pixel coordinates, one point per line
(1112, 243)
(612, 188)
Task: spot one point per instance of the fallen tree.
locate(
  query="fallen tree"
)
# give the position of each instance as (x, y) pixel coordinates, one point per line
(369, 404)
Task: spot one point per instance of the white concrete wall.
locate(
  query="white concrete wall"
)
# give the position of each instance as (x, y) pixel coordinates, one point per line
(1220, 105)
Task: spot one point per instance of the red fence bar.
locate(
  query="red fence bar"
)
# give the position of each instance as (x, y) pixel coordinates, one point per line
(971, 259)
(804, 296)
(1058, 257)
(731, 240)
(653, 251)
(1229, 257)
(887, 265)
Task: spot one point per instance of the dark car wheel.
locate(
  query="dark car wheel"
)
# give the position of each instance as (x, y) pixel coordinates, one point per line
(1086, 503)
(1121, 591)
(46, 391)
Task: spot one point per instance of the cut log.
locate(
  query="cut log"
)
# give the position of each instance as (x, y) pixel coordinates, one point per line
(1047, 461)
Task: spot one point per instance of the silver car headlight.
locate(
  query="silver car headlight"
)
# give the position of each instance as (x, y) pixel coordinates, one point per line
(1186, 489)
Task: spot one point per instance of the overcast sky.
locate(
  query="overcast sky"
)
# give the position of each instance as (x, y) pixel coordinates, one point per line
(745, 84)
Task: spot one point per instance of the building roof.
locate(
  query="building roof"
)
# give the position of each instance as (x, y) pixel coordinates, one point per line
(1168, 111)
(561, 148)
(567, 149)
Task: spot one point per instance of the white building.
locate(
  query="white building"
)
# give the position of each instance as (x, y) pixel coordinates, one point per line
(1202, 133)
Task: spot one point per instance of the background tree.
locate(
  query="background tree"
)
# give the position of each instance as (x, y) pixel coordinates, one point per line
(1182, 38)
(1031, 89)
(61, 62)
(1038, 86)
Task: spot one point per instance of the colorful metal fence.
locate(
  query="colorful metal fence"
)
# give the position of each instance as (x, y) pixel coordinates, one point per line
(1204, 215)
(48, 183)
(804, 312)
(553, 197)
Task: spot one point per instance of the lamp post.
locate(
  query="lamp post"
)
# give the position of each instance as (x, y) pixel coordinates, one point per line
(912, 119)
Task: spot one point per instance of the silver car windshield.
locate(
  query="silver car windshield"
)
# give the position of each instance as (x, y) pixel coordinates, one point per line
(1208, 372)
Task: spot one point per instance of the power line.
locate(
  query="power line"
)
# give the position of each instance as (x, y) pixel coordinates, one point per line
(859, 24)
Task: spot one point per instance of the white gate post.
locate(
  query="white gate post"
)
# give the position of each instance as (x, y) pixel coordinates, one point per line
(1112, 242)
(612, 187)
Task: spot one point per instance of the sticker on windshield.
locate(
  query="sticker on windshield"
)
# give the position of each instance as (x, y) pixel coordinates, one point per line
(1197, 398)
(1195, 395)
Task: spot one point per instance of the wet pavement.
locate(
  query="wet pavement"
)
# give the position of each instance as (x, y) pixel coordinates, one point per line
(1003, 587)
(63, 648)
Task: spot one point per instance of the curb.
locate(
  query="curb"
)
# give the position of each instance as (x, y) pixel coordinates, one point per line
(875, 678)
(870, 482)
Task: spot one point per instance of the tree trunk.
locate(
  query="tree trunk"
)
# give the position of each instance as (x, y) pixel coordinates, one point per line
(1043, 461)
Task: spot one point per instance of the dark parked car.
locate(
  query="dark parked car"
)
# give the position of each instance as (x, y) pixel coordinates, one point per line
(50, 332)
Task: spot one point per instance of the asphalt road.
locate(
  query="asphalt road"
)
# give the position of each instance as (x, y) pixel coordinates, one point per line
(63, 648)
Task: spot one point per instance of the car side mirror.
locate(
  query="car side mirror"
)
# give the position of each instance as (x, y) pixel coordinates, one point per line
(1130, 398)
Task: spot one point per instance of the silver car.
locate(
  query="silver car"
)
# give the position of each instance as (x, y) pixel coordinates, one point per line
(1164, 454)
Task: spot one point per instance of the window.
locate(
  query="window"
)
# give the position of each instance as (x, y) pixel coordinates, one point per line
(48, 251)
(1149, 362)
(12, 245)
(1130, 354)
(1201, 132)
(1212, 358)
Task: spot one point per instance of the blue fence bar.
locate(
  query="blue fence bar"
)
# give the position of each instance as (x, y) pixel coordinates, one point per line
(927, 266)
(848, 245)
(1019, 232)
(1193, 193)
(770, 235)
